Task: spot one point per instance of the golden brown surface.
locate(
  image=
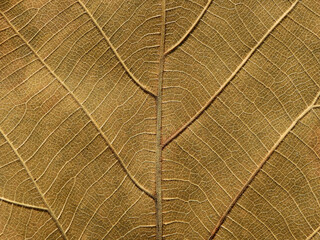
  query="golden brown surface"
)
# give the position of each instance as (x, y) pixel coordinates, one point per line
(160, 119)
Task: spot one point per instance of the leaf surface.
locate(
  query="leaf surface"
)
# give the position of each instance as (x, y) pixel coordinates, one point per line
(159, 119)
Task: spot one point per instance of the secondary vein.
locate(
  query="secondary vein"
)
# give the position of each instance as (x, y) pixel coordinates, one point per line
(136, 183)
(23, 204)
(265, 159)
(313, 233)
(143, 87)
(55, 219)
(226, 83)
(172, 48)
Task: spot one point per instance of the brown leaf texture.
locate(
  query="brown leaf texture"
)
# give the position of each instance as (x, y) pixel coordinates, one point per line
(160, 119)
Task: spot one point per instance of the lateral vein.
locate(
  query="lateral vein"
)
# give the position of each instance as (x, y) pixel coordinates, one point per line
(143, 87)
(136, 183)
(23, 204)
(36, 186)
(254, 174)
(313, 233)
(172, 48)
(226, 83)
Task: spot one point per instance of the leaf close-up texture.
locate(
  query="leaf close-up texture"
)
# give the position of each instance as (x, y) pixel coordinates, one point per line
(160, 119)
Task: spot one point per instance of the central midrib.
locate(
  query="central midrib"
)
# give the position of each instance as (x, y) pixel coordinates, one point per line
(159, 124)
(160, 145)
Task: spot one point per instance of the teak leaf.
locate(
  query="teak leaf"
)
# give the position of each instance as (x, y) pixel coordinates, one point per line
(160, 119)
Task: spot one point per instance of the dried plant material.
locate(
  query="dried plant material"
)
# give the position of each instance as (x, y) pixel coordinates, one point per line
(159, 119)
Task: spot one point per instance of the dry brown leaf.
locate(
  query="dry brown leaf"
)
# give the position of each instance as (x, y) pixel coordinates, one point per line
(159, 119)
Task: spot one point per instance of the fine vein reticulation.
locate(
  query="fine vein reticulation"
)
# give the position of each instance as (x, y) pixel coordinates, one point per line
(193, 145)
(226, 83)
(116, 53)
(87, 113)
(48, 208)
